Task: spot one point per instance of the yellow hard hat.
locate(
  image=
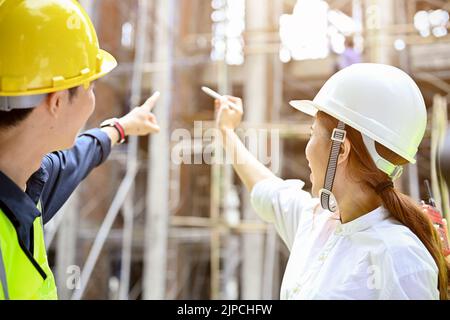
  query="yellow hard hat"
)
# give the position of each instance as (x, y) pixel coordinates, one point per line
(48, 46)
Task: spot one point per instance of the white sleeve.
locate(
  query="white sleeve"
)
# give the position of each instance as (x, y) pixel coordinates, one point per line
(283, 204)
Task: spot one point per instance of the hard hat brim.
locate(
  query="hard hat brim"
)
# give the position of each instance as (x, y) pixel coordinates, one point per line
(310, 108)
(107, 65)
(305, 106)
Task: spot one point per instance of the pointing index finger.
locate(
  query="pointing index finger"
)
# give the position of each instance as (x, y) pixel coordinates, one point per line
(150, 103)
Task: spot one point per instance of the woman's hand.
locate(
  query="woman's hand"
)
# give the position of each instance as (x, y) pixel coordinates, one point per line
(249, 169)
(141, 121)
(228, 118)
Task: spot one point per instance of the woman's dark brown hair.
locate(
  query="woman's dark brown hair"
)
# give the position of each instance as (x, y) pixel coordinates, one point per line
(400, 206)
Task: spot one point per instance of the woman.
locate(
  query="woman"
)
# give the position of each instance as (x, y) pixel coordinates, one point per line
(355, 236)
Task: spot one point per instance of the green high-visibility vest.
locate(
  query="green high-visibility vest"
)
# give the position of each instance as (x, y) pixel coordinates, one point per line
(26, 276)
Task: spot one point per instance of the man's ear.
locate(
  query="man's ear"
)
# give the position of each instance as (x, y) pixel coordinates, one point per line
(345, 151)
(55, 102)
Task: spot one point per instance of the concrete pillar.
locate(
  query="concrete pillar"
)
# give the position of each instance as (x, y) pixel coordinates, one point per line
(379, 16)
(157, 214)
(67, 273)
(256, 104)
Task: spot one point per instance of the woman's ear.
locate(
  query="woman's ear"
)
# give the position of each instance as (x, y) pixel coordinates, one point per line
(345, 151)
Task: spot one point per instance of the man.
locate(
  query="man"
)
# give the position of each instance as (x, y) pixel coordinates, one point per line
(48, 62)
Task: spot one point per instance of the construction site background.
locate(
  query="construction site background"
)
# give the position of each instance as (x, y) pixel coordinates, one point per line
(144, 227)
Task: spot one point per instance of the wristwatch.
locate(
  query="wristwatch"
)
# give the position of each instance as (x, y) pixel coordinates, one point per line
(114, 123)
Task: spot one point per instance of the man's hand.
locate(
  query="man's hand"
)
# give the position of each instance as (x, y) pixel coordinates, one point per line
(141, 121)
(228, 118)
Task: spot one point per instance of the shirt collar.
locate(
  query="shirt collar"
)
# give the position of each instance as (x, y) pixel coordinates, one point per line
(364, 222)
(19, 203)
(36, 183)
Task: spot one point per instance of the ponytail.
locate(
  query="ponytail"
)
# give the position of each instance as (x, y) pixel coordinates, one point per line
(409, 213)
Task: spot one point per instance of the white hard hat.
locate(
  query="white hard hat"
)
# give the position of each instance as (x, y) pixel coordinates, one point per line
(380, 101)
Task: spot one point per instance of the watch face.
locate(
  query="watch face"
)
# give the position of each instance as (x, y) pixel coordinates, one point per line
(108, 123)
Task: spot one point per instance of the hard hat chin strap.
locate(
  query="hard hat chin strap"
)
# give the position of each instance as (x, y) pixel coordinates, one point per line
(21, 102)
(327, 199)
(393, 171)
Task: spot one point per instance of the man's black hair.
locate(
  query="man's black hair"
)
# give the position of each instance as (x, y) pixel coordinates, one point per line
(14, 117)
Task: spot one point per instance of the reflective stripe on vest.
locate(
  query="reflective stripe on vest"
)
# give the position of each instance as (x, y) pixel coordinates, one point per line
(27, 277)
(3, 281)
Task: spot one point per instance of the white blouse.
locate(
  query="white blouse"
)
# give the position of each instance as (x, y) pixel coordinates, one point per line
(372, 257)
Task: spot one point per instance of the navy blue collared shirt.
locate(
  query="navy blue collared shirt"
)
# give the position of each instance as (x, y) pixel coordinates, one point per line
(59, 175)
